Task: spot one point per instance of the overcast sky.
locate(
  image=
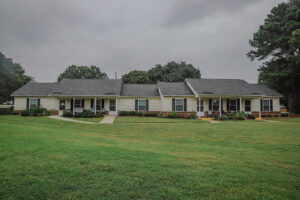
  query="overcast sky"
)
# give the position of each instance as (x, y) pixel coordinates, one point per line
(123, 35)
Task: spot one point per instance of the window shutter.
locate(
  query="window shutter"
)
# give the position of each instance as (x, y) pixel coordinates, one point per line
(271, 105)
(261, 108)
(227, 104)
(147, 105)
(82, 103)
(198, 105)
(102, 104)
(72, 101)
(209, 104)
(27, 103)
(238, 105)
(136, 105)
(173, 104)
(92, 103)
(221, 104)
(185, 105)
(38, 102)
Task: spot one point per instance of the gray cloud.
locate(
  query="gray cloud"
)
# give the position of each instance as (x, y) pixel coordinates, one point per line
(119, 36)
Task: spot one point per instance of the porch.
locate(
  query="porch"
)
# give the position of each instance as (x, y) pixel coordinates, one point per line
(105, 105)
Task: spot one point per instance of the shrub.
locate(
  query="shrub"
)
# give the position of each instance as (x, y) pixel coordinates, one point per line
(249, 116)
(275, 115)
(193, 115)
(99, 115)
(6, 111)
(215, 116)
(284, 114)
(25, 113)
(78, 115)
(239, 116)
(68, 114)
(132, 113)
(174, 114)
(150, 115)
(269, 115)
(87, 114)
(123, 113)
(263, 115)
(223, 117)
(140, 114)
(52, 112)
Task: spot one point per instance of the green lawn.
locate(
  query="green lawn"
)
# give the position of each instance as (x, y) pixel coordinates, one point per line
(95, 120)
(132, 119)
(46, 158)
(5, 106)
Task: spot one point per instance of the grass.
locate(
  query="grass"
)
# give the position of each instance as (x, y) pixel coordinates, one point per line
(132, 119)
(46, 158)
(5, 106)
(95, 120)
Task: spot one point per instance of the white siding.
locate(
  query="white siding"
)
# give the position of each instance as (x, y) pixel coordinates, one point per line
(128, 104)
(191, 103)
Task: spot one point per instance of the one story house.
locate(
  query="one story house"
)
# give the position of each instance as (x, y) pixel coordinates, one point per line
(201, 96)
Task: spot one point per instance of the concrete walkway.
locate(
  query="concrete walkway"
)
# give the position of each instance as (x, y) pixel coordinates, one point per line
(69, 120)
(108, 119)
(213, 121)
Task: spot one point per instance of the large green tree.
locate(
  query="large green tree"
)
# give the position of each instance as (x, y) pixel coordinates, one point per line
(277, 44)
(12, 77)
(82, 72)
(170, 72)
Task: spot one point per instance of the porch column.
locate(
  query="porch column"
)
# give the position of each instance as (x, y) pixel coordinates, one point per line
(95, 105)
(73, 105)
(220, 106)
(259, 107)
(240, 104)
(199, 107)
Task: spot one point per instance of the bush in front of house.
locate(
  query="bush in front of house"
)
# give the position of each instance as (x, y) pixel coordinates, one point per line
(150, 114)
(78, 115)
(263, 115)
(67, 114)
(99, 115)
(38, 111)
(269, 115)
(87, 114)
(284, 115)
(123, 113)
(25, 113)
(139, 114)
(275, 115)
(6, 111)
(249, 116)
(132, 113)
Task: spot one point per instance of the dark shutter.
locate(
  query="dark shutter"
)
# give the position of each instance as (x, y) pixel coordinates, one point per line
(72, 102)
(198, 105)
(238, 105)
(27, 103)
(136, 105)
(173, 104)
(92, 103)
(147, 105)
(209, 104)
(271, 105)
(185, 105)
(261, 108)
(82, 103)
(102, 104)
(222, 105)
(227, 104)
(39, 103)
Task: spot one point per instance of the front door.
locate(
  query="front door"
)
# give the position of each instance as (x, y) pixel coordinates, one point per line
(62, 106)
(112, 107)
(200, 110)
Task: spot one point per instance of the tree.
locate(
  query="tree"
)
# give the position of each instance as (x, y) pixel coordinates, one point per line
(82, 72)
(277, 43)
(136, 77)
(170, 72)
(12, 77)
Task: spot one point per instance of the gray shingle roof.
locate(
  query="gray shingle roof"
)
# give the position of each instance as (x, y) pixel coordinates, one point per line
(225, 87)
(140, 90)
(89, 87)
(174, 88)
(35, 89)
(266, 90)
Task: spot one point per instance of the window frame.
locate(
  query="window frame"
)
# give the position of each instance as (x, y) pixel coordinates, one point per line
(201, 105)
(36, 103)
(80, 103)
(98, 105)
(248, 106)
(142, 105)
(236, 103)
(213, 106)
(181, 99)
(268, 101)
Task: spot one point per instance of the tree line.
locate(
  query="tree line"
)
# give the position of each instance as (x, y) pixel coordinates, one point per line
(277, 43)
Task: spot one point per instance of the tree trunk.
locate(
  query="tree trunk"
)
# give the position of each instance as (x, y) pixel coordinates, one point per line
(294, 97)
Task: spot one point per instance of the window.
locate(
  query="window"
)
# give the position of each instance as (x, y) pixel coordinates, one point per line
(247, 106)
(215, 104)
(77, 103)
(266, 105)
(179, 104)
(98, 104)
(201, 105)
(142, 104)
(112, 105)
(33, 103)
(232, 105)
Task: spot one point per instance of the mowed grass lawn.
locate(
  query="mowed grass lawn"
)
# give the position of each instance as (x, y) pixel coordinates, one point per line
(47, 158)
